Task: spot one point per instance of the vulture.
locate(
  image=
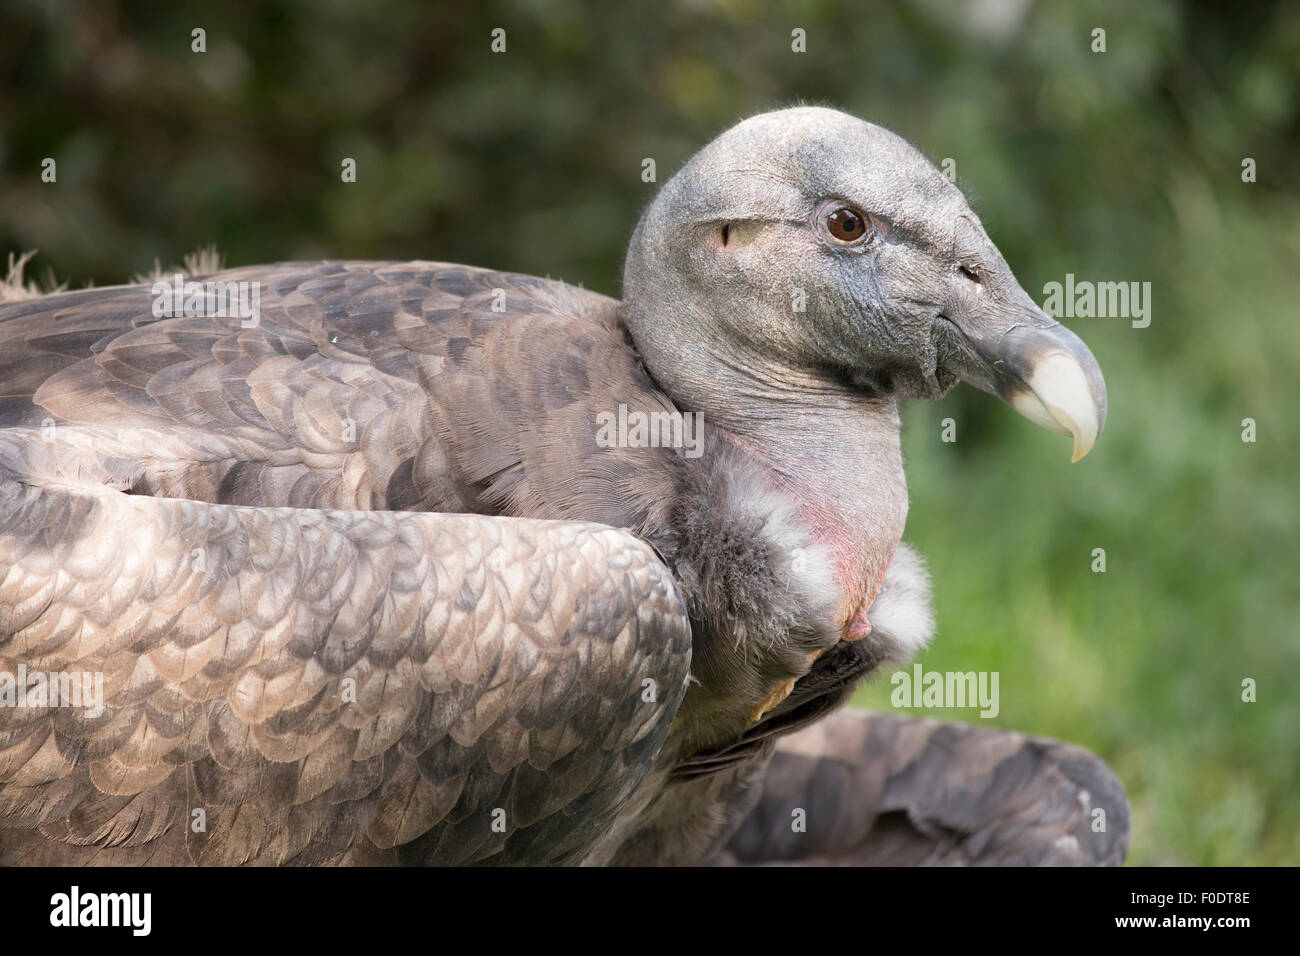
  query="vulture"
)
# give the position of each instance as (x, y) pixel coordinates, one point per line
(420, 563)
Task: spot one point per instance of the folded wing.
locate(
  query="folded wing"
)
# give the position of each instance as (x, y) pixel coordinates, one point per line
(879, 790)
(286, 685)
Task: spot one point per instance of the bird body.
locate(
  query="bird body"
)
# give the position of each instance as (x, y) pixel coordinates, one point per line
(366, 583)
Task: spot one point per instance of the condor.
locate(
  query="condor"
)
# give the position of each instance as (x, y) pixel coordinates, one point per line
(563, 650)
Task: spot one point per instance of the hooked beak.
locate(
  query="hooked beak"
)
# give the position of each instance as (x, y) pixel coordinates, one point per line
(1034, 364)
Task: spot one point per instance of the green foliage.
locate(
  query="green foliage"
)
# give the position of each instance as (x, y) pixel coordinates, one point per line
(1123, 165)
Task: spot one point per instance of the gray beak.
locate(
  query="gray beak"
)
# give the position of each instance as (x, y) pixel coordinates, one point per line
(1037, 366)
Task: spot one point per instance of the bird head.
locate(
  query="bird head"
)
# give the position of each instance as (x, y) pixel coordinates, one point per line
(805, 248)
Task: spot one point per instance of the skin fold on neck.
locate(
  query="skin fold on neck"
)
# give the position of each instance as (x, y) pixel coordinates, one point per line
(834, 450)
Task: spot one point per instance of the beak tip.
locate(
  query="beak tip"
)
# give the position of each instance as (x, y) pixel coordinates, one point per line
(1083, 437)
(1062, 385)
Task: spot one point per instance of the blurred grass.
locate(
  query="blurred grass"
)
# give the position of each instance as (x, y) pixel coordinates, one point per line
(1116, 166)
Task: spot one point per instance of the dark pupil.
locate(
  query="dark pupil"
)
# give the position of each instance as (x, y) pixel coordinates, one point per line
(846, 224)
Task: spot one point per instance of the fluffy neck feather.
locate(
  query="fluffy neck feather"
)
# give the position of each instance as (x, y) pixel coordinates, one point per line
(835, 452)
(783, 531)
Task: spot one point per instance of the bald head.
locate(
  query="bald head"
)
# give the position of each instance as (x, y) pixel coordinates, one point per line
(806, 248)
(772, 166)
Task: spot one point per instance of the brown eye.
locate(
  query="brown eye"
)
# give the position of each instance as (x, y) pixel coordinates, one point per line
(846, 224)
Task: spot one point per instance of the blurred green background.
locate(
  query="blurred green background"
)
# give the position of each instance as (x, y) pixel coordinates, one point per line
(1123, 165)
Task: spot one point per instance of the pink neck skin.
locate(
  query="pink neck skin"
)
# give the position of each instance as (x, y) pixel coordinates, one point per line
(851, 493)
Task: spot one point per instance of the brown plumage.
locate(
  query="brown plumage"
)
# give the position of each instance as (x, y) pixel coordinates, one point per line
(494, 664)
(880, 790)
(365, 583)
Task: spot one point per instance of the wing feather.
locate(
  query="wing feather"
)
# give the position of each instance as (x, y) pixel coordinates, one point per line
(324, 685)
(883, 790)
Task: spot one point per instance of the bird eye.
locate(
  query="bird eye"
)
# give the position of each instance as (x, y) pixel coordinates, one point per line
(846, 224)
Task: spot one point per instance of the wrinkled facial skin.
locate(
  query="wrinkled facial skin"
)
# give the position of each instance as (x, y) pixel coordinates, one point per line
(923, 298)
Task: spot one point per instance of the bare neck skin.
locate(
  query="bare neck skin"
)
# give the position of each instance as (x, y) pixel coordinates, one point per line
(834, 450)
